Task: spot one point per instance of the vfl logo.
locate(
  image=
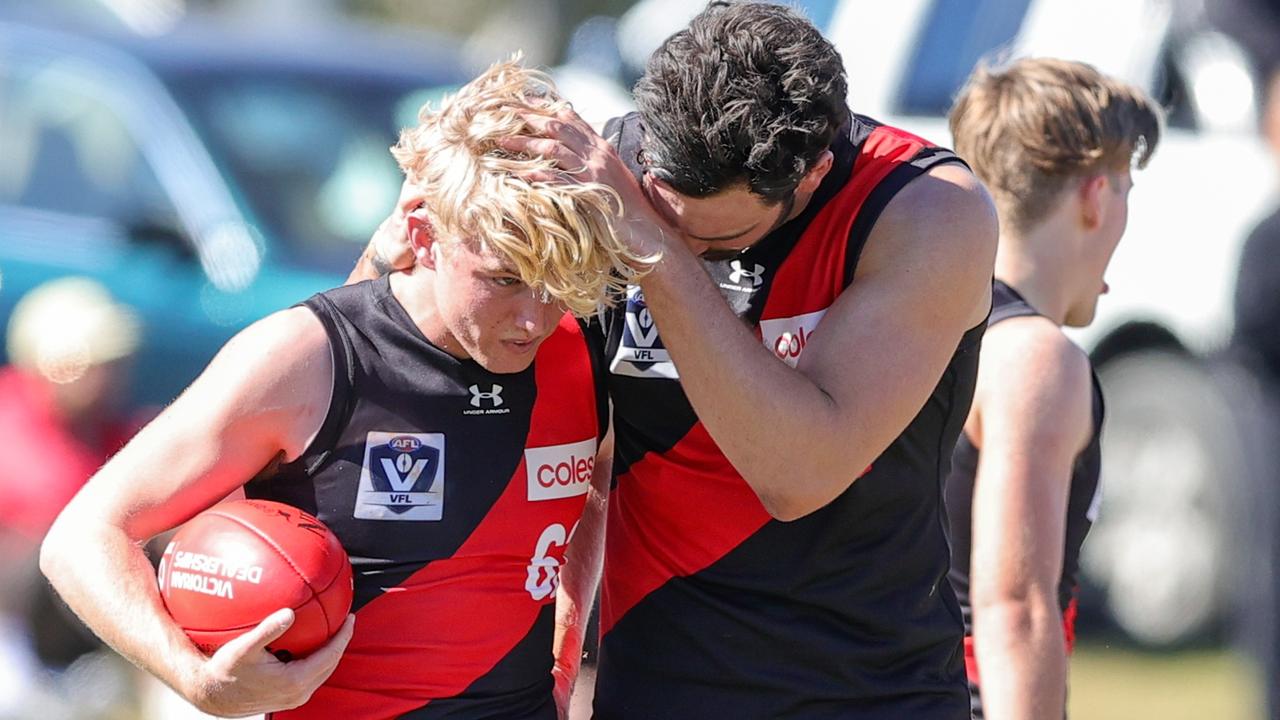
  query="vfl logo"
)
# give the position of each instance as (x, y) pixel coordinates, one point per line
(559, 471)
(543, 574)
(640, 329)
(752, 276)
(494, 395)
(787, 337)
(402, 477)
(640, 352)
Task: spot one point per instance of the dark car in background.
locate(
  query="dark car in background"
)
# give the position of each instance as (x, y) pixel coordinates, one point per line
(205, 177)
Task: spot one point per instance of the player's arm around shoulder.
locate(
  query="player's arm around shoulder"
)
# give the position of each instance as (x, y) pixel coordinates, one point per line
(263, 396)
(1031, 418)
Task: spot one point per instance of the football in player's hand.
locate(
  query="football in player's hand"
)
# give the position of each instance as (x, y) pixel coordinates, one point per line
(234, 564)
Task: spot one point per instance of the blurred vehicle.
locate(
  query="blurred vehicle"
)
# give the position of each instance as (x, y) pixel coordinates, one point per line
(206, 177)
(1163, 559)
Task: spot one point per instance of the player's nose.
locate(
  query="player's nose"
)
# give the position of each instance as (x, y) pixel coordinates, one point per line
(536, 314)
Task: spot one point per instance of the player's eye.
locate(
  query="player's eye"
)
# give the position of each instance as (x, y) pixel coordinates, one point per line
(505, 281)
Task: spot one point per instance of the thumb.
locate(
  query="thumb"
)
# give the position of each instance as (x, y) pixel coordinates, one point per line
(266, 632)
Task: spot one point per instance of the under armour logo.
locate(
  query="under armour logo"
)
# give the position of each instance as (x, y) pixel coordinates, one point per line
(737, 274)
(494, 395)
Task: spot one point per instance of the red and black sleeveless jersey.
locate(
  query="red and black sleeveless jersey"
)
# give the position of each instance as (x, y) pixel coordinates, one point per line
(1082, 503)
(455, 491)
(712, 609)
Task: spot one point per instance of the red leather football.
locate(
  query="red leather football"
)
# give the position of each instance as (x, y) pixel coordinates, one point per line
(236, 563)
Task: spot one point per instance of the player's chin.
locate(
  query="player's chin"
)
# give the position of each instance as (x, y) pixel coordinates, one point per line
(1081, 316)
(510, 357)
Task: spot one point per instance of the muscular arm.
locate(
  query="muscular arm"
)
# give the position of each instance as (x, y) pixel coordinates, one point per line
(263, 396)
(583, 562)
(799, 436)
(1032, 416)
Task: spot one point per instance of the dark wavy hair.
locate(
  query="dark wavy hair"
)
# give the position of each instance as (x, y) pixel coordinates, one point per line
(750, 93)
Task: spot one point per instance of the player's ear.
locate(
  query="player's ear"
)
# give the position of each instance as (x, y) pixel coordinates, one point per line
(422, 237)
(1090, 197)
(816, 172)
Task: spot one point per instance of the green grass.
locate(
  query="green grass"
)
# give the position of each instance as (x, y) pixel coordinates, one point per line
(1121, 683)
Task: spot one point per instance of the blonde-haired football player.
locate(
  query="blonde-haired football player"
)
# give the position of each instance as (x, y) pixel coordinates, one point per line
(447, 422)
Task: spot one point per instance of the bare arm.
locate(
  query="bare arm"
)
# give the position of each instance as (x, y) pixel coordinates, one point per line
(584, 560)
(263, 396)
(1032, 416)
(372, 264)
(799, 436)
(923, 280)
(388, 248)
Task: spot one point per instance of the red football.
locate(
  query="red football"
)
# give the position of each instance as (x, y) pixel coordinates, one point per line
(236, 563)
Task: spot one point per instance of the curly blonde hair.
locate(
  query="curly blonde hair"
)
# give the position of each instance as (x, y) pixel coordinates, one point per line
(559, 236)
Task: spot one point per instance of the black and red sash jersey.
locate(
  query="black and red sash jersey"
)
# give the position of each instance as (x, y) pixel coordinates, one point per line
(712, 609)
(1082, 502)
(454, 491)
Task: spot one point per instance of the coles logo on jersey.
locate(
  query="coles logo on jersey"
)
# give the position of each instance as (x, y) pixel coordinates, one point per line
(402, 477)
(542, 577)
(786, 337)
(640, 353)
(560, 471)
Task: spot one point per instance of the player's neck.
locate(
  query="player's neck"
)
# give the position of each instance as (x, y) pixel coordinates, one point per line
(413, 290)
(1036, 270)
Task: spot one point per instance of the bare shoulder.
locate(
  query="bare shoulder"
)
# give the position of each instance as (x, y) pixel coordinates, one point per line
(279, 367)
(292, 333)
(1031, 376)
(1035, 350)
(943, 226)
(275, 349)
(945, 211)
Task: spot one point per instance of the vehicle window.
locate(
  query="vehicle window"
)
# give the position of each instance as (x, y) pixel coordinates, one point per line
(956, 34)
(309, 156)
(67, 150)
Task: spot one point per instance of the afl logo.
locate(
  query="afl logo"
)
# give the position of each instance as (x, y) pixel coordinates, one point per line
(404, 443)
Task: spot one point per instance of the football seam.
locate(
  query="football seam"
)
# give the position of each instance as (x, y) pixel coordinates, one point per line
(334, 579)
(288, 560)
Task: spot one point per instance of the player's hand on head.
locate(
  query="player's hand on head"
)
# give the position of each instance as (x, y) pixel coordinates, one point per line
(244, 678)
(582, 155)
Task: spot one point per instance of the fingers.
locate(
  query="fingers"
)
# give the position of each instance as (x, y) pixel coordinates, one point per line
(320, 664)
(556, 126)
(341, 638)
(566, 128)
(562, 155)
(266, 632)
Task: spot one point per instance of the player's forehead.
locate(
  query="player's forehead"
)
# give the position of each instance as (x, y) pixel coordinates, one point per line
(483, 257)
(728, 215)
